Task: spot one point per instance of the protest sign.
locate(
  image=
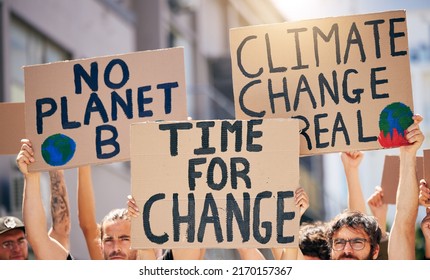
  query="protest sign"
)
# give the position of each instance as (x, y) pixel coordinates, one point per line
(347, 79)
(391, 174)
(215, 184)
(12, 127)
(79, 112)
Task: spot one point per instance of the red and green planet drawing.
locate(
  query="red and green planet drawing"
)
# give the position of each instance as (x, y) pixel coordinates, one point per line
(393, 122)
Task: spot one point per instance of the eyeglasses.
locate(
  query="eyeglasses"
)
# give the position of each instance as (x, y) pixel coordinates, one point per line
(355, 243)
(21, 243)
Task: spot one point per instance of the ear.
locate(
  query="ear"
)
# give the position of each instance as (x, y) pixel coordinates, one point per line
(375, 252)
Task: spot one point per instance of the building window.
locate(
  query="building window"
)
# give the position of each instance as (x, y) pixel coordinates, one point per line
(28, 47)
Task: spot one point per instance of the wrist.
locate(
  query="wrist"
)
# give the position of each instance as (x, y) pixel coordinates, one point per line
(32, 176)
(408, 154)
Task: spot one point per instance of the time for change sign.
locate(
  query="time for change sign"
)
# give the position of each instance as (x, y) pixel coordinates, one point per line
(215, 184)
(79, 112)
(346, 79)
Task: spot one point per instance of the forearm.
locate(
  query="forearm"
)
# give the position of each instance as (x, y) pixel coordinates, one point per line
(86, 200)
(402, 235)
(408, 191)
(60, 210)
(87, 213)
(32, 208)
(382, 222)
(43, 246)
(355, 193)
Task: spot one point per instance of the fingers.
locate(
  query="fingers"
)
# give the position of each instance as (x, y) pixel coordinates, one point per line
(414, 133)
(424, 195)
(355, 154)
(351, 159)
(301, 200)
(376, 199)
(25, 156)
(417, 118)
(133, 209)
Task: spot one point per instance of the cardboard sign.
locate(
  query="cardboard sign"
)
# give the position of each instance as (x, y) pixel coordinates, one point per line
(215, 184)
(426, 176)
(391, 174)
(12, 127)
(347, 79)
(79, 112)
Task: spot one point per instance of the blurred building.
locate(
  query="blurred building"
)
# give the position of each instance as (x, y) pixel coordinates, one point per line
(42, 31)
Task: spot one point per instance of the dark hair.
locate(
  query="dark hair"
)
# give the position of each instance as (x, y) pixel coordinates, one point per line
(313, 240)
(113, 215)
(356, 220)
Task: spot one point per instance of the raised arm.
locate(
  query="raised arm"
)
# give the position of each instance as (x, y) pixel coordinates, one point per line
(60, 211)
(379, 208)
(44, 247)
(87, 213)
(351, 163)
(301, 200)
(401, 245)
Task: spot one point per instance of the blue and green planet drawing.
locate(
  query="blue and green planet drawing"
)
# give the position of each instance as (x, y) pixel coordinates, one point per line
(58, 149)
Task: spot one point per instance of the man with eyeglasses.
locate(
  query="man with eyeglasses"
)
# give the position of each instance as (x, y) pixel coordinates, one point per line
(13, 243)
(353, 235)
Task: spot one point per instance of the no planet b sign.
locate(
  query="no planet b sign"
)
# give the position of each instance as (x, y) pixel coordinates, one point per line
(79, 112)
(215, 184)
(346, 79)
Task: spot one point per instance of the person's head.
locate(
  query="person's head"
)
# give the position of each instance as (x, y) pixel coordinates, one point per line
(13, 243)
(313, 241)
(354, 236)
(115, 231)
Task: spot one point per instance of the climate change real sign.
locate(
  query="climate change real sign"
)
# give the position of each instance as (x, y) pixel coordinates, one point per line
(346, 79)
(79, 112)
(215, 184)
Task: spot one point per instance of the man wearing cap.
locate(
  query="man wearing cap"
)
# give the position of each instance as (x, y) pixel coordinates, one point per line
(13, 243)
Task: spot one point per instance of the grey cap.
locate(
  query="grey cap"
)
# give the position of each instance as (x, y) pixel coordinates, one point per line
(9, 222)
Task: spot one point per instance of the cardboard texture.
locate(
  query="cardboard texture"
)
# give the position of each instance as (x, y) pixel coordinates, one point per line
(12, 127)
(187, 169)
(336, 75)
(390, 176)
(426, 154)
(79, 112)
